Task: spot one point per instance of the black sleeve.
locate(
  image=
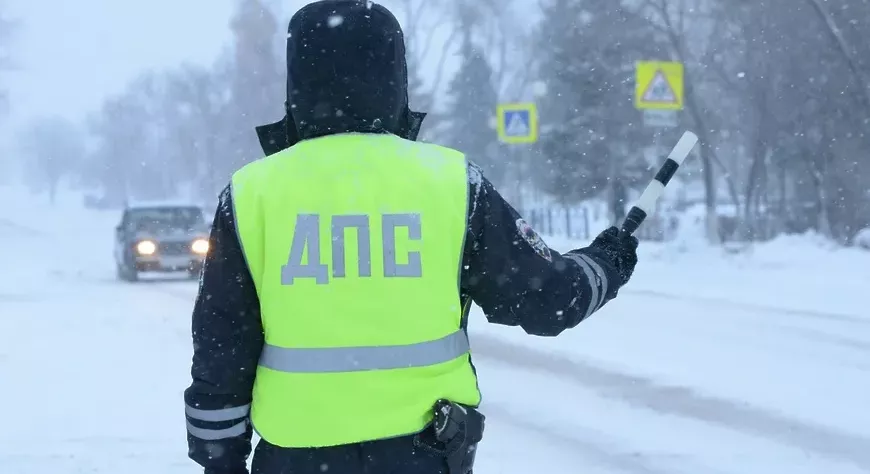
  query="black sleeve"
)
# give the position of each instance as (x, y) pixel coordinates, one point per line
(517, 279)
(227, 341)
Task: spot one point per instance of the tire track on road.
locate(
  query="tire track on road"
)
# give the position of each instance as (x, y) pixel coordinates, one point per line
(593, 448)
(753, 307)
(645, 393)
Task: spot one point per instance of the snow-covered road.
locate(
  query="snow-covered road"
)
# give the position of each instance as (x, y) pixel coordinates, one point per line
(673, 377)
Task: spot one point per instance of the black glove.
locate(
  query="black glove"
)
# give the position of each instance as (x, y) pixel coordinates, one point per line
(620, 251)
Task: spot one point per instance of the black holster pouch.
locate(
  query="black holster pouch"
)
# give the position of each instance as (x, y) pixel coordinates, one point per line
(456, 430)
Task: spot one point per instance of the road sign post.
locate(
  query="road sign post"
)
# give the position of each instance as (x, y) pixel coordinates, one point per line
(658, 92)
(517, 123)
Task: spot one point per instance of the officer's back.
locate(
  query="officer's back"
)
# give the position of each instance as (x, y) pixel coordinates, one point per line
(355, 243)
(333, 306)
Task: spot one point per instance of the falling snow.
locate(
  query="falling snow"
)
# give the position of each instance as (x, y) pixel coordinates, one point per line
(738, 346)
(335, 20)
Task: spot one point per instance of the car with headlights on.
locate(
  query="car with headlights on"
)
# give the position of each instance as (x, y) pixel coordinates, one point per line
(160, 238)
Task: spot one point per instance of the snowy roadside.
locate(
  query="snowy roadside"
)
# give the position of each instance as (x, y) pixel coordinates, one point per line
(799, 273)
(781, 328)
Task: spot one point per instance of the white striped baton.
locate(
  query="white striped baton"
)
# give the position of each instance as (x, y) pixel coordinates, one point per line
(647, 201)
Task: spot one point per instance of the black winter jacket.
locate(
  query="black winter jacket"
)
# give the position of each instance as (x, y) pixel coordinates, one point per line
(508, 271)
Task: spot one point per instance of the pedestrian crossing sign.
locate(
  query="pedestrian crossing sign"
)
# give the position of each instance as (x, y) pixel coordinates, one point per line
(658, 85)
(517, 123)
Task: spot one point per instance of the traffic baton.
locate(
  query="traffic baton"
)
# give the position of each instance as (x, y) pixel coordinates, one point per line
(647, 202)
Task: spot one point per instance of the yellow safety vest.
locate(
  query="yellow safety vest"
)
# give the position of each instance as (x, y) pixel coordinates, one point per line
(355, 242)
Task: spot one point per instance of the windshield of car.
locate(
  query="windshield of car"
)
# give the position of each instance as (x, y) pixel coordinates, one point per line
(166, 219)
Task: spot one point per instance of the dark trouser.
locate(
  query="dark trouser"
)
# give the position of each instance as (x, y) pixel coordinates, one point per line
(390, 456)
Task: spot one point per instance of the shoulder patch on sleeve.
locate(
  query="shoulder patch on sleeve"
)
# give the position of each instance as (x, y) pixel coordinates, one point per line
(529, 235)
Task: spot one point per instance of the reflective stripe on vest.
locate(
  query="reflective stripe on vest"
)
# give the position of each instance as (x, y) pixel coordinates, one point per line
(355, 245)
(355, 359)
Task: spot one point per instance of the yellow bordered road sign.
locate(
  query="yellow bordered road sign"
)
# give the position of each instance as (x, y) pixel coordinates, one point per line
(658, 85)
(517, 123)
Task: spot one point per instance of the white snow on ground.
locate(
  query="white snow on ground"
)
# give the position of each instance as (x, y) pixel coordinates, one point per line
(706, 363)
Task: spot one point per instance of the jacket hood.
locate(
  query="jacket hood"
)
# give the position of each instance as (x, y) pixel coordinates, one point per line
(346, 72)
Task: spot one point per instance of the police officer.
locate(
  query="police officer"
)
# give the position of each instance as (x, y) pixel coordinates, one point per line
(331, 316)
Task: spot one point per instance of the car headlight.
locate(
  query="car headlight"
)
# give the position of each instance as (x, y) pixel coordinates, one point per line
(199, 246)
(146, 247)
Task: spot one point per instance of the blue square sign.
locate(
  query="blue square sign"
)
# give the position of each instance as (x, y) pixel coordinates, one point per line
(517, 123)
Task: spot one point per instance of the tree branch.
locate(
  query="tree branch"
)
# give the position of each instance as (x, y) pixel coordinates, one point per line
(430, 36)
(439, 70)
(835, 33)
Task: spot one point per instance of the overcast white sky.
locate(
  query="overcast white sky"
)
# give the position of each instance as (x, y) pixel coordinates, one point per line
(73, 53)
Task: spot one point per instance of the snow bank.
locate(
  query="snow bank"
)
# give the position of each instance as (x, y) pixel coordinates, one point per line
(791, 272)
(74, 241)
(694, 345)
(36, 213)
(782, 326)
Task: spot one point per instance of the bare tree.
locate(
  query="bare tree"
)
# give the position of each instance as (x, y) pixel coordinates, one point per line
(501, 34)
(797, 110)
(743, 62)
(843, 189)
(673, 20)
(52, 148)
(257, 76)
(431, 37)
(845, 49)
(7, 29)
(131, 160)
(472, 100)
(199, 100)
